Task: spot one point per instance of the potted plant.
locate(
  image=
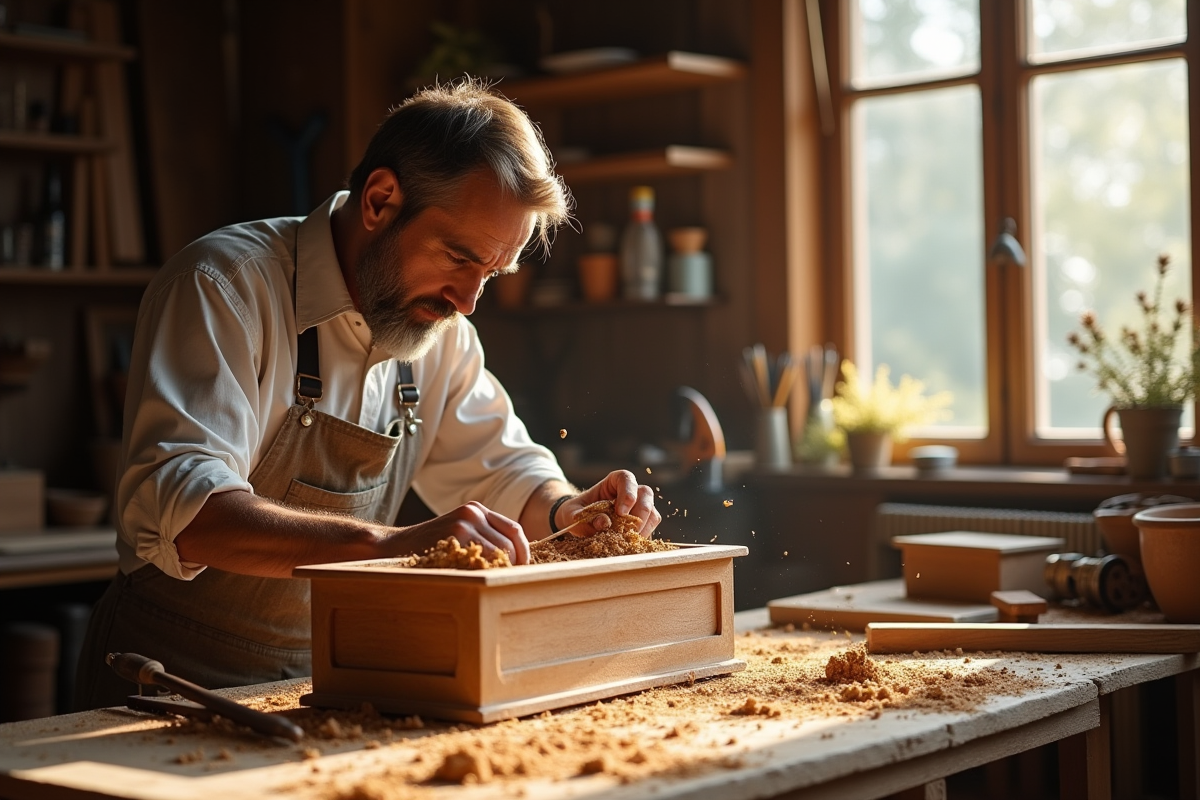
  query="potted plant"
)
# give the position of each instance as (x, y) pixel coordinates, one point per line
(874, 414)
(1147, 376)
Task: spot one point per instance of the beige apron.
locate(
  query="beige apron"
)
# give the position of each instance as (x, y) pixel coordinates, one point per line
(222, 629)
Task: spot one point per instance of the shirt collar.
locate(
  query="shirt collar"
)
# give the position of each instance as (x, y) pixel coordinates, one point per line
(321, 292)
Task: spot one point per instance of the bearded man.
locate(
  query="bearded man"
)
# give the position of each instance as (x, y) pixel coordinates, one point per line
(292, 378)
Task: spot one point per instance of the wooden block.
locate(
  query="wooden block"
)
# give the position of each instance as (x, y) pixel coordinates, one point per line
(22, 500)
(908, 637)
(967, 566)
(1018, 605)
(852, 607)
(493, 644)
(120, 178)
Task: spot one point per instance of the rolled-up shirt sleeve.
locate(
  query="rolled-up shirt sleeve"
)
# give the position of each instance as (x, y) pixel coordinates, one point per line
(191, 424)
(482, 450)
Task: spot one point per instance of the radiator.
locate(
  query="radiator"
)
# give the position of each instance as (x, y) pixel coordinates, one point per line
(1078, 529)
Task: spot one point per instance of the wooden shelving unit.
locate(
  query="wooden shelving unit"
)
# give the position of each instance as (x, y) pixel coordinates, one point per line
(576, 307)
(75, 276)
(670, 160)
(26, 46)
(671, 72)
(53, 143)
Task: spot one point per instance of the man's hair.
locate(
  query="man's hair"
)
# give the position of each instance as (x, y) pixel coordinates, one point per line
(436, 138)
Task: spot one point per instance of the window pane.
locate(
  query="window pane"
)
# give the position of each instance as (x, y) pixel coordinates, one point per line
(1110, 177)
(919, 244)
(895, 41)
(1061, 29)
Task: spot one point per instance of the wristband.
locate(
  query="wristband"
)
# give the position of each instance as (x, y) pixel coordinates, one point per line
(554, 511)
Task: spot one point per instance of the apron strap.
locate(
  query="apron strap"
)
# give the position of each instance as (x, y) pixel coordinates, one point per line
(308, 372)
(408, 394)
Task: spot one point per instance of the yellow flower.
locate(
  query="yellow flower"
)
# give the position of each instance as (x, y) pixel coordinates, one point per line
(879, 407)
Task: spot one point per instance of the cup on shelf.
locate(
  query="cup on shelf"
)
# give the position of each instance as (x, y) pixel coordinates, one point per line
(689, 268)
(511, 289)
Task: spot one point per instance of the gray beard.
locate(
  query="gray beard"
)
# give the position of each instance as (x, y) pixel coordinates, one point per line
(389, 307)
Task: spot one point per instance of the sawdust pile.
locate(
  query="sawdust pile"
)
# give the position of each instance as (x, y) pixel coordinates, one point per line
(450, 554)
(621, 539)
(792, 680)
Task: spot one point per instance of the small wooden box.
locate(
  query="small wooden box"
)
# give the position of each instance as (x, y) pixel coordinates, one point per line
(485, 645)
(22, 501)
(965, 566)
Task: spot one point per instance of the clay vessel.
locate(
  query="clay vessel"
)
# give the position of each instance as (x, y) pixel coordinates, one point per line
(1114, 518)
(1170, 537)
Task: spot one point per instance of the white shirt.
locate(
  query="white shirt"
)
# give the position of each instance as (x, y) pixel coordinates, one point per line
(213, 375)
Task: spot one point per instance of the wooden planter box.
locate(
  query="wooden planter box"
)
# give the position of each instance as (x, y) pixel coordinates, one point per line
(485, 645)
(967, 566)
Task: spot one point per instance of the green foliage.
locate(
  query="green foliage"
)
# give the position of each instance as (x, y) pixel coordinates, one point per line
(1142, 369)
(879, 407)
(820, 442)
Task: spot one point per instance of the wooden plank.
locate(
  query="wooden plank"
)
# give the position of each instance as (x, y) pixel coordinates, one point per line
(1125, 710)
(14, 45)
(187, 111)
(853, 607)
(670, 72)
(120, 185)
(907, 637)
(125, 276)
(52, 142)
(1084, 762)
(671, 160)
(1018, 602)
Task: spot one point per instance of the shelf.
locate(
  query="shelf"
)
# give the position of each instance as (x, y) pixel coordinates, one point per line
(667, 161)
(12, 44)
(113, 276)
(673, 71)
(52, 142)
(580, 307)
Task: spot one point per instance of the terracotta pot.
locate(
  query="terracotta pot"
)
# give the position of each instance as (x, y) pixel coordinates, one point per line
(511, 289)
(1170, 539)
(1149, 436)
(1114, 518)
(598, 277)
(869, 450)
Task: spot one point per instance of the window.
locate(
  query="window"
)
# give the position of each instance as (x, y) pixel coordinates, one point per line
(1067, 117)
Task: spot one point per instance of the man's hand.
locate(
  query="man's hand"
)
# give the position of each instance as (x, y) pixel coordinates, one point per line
(628, 498)
(472, 522)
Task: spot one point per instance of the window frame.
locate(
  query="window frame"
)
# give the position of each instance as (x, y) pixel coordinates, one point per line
(1004, 78)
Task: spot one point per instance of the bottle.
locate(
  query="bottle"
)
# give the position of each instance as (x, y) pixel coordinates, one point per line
(24, 229)
(641, 248)
(52, 222)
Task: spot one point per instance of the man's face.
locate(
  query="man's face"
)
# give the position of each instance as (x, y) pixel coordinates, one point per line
(413, 283)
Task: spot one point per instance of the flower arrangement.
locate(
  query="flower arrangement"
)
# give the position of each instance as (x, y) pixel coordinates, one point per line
(1142, 370)
(878, 407)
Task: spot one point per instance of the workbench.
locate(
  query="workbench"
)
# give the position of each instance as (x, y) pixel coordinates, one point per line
(727, 753)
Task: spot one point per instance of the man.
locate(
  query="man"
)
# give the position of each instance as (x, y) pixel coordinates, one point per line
(292, 378)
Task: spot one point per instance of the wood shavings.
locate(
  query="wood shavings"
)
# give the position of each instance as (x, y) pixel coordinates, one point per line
(450, 554)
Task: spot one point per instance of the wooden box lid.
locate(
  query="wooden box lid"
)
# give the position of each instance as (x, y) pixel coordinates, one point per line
(1003, 543)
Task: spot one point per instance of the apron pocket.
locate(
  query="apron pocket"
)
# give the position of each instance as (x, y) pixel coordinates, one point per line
(305, 495)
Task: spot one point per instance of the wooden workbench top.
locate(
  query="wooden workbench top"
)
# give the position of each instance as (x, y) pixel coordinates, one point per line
(776, 727)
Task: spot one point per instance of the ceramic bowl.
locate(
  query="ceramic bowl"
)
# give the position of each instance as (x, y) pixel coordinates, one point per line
(1114, 518)
(933, 456)
(1170, 537)
(75, 507)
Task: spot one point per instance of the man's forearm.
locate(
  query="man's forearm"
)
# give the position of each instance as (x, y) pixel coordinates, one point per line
(241, 532)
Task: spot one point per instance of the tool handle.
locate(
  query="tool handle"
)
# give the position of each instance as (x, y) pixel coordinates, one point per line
(146, 670)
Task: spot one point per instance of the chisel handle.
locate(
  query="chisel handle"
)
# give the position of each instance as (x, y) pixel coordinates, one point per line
(140, 669)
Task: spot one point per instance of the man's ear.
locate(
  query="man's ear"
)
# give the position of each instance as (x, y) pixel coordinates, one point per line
(381, 199)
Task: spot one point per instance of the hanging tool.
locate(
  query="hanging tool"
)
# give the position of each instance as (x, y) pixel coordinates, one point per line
(146, 671)
(704, 453)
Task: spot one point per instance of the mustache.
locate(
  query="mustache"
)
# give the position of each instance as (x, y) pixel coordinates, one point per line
(440, 308)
